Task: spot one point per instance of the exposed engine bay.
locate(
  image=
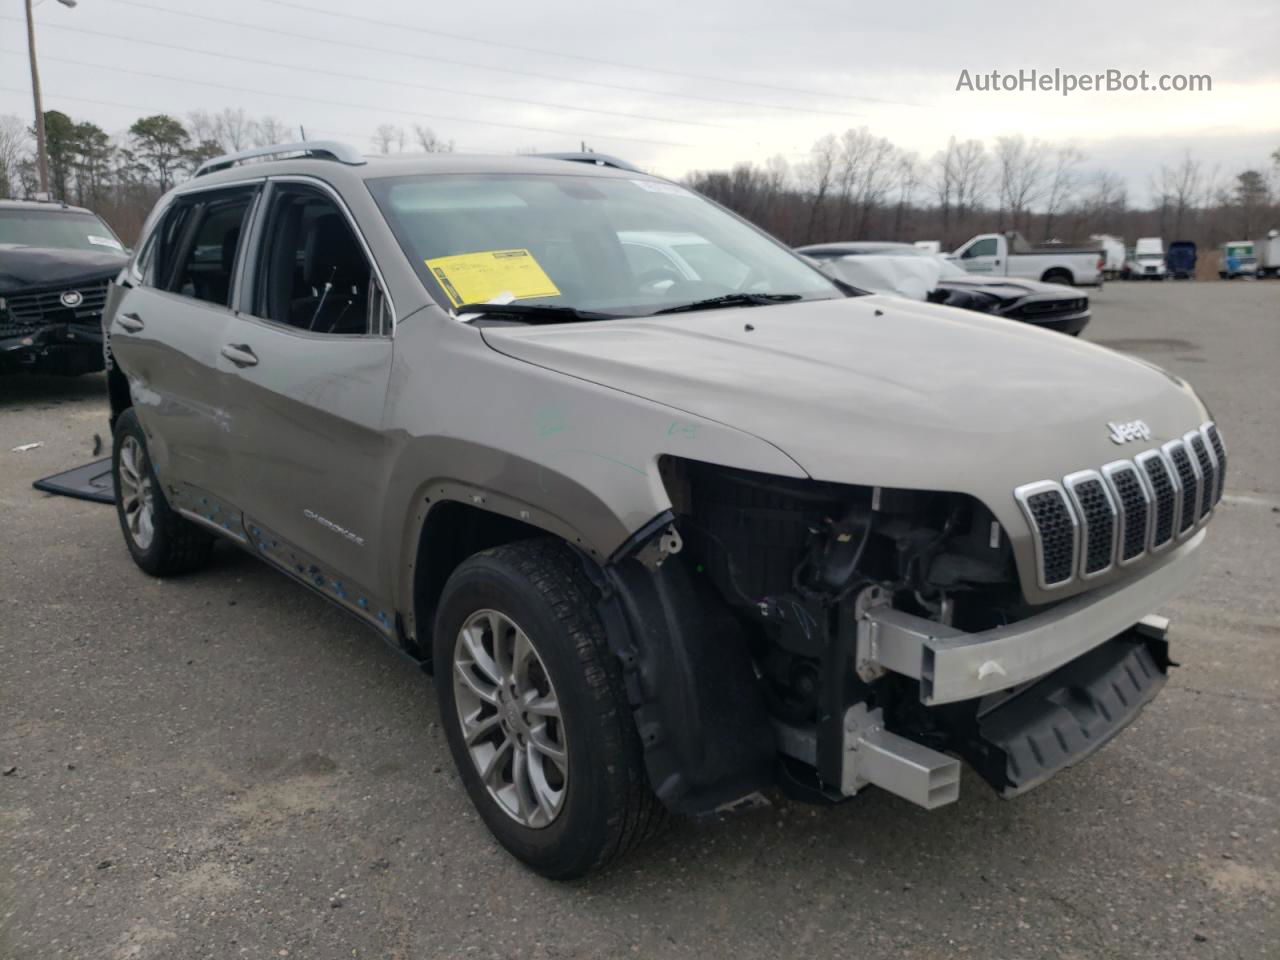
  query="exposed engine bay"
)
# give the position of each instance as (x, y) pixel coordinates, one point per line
(785, 569)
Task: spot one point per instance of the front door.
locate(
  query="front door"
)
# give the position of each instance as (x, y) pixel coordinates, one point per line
(308, 358)
(982, 256)
(166, 335)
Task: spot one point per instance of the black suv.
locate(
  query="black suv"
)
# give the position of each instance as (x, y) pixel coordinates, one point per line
(55, 263)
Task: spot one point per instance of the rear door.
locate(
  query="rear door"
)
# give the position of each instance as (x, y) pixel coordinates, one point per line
(166, 335)
(308, 360)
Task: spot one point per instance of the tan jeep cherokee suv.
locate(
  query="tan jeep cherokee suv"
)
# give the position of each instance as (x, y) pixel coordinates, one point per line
(675, 519)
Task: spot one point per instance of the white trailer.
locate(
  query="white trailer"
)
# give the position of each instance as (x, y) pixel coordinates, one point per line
(1112, 254)
(1267, 250)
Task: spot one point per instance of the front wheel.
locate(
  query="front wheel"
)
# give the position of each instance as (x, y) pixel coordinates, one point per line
(161, 541)
(533, 704)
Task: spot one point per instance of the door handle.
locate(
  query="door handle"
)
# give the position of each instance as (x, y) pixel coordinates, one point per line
(131, 322)
(240, 355)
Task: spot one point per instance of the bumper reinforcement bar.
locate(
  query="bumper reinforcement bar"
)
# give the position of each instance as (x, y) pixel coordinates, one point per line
(953, 665)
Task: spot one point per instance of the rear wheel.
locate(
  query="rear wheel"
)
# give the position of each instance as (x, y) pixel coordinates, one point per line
(161, 541)
(1058, 276)
(535, 711)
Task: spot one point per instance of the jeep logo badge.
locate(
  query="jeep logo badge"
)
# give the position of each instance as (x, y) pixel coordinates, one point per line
(72, 298)
(1133, 430)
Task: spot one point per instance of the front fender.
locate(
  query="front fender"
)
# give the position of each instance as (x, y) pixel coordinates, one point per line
(574, 458)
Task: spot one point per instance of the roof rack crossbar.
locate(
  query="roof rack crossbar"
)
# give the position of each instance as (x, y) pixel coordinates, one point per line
(599, 159)
(319, 149)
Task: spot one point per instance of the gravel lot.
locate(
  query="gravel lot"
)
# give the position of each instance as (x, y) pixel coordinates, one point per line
(223, 766)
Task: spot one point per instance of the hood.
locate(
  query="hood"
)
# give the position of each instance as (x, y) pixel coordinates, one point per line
(37, 268)
(905, 276)
(878, 390)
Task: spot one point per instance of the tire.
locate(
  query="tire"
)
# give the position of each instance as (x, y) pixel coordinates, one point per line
(168, 544)
(604, 806)
(1058, 276)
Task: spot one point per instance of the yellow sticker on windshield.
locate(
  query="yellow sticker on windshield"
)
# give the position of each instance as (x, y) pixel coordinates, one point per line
(484, 277)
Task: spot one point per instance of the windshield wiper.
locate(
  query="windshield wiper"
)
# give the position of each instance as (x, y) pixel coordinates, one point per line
(731, 300)
(535, 312)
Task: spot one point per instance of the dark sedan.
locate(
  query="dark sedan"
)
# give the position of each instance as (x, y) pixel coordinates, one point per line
(904, 270)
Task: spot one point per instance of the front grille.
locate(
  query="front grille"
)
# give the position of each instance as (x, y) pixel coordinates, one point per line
(28, 310)
(1128, 510)
(1057, 531)
(1187, 482)
(1044, 308)
(1164, 497)
(1134, 514)
(1220, 452)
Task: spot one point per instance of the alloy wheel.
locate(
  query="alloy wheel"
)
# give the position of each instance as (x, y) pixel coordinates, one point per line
(137, 496)
(511, 719)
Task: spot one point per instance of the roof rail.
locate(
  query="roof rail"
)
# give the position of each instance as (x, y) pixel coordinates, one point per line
(319, 149)
(599, 159)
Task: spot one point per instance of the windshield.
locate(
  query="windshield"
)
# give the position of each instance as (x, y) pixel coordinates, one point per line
(57, 229)
(624, 247)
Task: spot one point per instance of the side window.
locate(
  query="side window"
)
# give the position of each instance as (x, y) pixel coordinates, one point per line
(312, 272)
(981, 248)
(207, 264)
(167, 236)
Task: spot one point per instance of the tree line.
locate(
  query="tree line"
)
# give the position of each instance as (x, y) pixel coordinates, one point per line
(120, 177)
(852, 186)
(860, 186)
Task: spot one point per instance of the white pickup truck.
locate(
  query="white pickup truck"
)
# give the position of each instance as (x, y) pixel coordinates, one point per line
(1010, 255)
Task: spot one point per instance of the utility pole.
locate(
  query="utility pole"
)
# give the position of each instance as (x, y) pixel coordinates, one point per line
(42, 156)
(42, 152)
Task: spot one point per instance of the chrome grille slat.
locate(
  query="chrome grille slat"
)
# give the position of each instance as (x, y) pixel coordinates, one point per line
(1188, 482)
(1135, 509)
(1054, 529)
(1210, 431)
(1095, 520)
(1164, 497)
(1200, 450)
(1096, 511)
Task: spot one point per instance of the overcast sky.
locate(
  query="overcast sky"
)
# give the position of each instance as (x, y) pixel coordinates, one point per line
(671, 86)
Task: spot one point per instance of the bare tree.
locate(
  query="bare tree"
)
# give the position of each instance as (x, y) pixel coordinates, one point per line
(972, 177)
(1020, 172)
(387, 136)
(818, 175)
(429, 142)
(1103, 202)
(266, 131)
(1063, 180)
(1179, 190)
(944, 184)
(863, 176)
(202, 125)
(234, 128)
(910, 173)
(14, 146)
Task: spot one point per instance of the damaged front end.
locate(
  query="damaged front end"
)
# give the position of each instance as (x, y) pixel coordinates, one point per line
(56, 330)
(827, 636)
